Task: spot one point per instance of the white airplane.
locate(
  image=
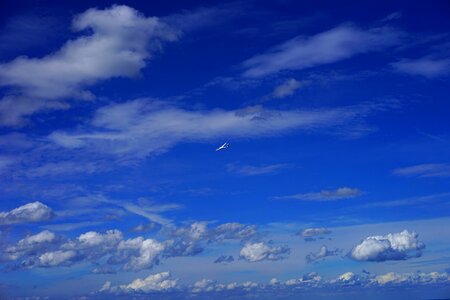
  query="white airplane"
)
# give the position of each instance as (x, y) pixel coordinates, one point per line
(223, 147)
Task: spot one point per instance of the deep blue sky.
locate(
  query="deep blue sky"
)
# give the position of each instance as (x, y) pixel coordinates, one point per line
(336, 183)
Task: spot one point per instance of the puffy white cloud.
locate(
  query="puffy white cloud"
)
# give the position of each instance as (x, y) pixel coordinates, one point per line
(336, 44)
(308, 280)
(190, 240)
(309, 232)
(425, 66)
(321, 254)
(349, 279)
(392, 278)
(31, 212)
(93, 245)
(56, 258)
(140, 253)
(425, 170)
(254, 252)
(93, 239)
(30, 244)
(208, 286)
(120, 41)
(139, 128)
(159, 282)
(394, 246)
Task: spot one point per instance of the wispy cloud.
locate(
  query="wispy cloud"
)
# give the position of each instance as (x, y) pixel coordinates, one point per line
(336, 44)
(139, 128)
(326, 195)
(428, 199)
(247, 170)
(424, 170)
(425, 66)
(288, 88)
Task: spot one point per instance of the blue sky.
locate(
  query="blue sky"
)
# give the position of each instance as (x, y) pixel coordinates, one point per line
(336, 183)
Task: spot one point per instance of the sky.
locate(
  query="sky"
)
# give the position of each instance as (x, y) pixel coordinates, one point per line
(335, 184)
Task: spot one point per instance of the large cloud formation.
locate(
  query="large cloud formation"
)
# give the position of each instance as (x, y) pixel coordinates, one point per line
(163, 284)
(31, 212)
(110, 251)
(120, 43)
(393, 246)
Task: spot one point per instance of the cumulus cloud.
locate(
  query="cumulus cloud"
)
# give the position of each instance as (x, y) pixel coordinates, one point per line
(120, 42)
(30, 244)
(336, 44)
(56, 258)
(143, 127)
(31, 212)
(428, 66)
(159, 282)
(326, 195)
(321, 254)
(424, 170)
(163, 284)
(140, 253)
(104, 249)
(254, 252)
(392, 278)
(210, 286)
(393, 246)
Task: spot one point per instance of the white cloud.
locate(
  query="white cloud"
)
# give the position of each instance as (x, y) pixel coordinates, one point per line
(248, 170)
(339, 43)
(425, 66)
(309, 232)
(31, 212)
(159, 282)
(143, 127)
(140, 253)
(29, 245)
(326, 195)
(287, 88)
(233, 231)
(45, 249)
(163, 284)
(56, 258)
(425, 170)
(392, 278)
(254, 252)
(394, 246)
(95, 239)
(121, 41)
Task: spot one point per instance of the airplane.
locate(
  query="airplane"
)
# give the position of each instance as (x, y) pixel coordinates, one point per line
(223, 147)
